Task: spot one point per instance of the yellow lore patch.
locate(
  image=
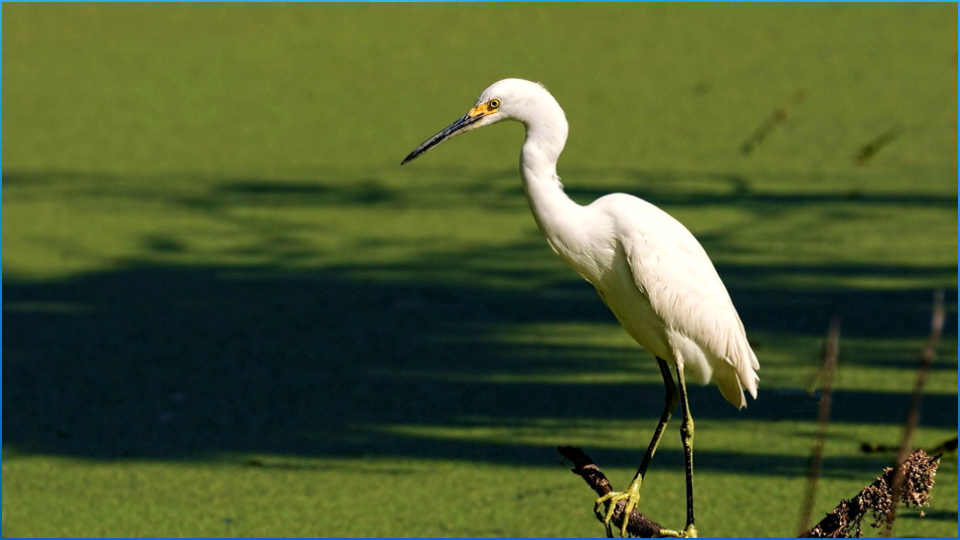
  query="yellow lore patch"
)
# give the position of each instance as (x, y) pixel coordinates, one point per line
(482, 109)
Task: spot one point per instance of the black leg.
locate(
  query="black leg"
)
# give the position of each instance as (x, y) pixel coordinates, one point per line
(669, 403)
(632, 495)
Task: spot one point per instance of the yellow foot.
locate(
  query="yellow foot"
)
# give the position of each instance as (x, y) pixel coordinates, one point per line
(631, 495)
(689, 532)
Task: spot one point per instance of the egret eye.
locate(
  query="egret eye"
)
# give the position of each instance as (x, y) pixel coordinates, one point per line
(494, 103)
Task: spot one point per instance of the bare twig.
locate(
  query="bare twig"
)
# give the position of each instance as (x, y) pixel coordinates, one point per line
(871, 148)
(639, 524)
(918, 472)
(778, 117)
(913, 418)
(828, 368)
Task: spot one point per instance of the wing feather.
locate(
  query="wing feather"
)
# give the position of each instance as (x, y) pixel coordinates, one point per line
(672, 270)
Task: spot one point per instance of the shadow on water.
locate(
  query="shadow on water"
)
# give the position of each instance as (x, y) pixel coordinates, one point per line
(172, 361)
(497, 188)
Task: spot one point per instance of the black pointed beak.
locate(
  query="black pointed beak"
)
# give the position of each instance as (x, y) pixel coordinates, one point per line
(463, 124)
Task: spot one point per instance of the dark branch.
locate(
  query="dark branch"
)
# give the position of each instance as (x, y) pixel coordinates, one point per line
(639, 525)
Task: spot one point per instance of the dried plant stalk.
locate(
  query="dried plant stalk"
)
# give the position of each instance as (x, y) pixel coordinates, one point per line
(913, 418)
(845, 521)
(828, 368)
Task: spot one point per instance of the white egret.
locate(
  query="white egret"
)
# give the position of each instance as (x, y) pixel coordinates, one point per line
(645, 265)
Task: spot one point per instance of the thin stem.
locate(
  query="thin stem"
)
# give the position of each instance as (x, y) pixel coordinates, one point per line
(913, 418)
(828, 368)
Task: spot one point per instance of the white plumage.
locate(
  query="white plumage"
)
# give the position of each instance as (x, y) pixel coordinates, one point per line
(646, 266)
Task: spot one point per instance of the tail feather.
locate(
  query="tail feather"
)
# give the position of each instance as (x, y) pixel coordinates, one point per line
(734, 377)
(729, 384)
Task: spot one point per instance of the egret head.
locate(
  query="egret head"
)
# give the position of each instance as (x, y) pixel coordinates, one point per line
(514, 99)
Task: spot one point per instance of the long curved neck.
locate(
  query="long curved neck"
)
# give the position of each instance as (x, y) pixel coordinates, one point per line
(555, 212)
